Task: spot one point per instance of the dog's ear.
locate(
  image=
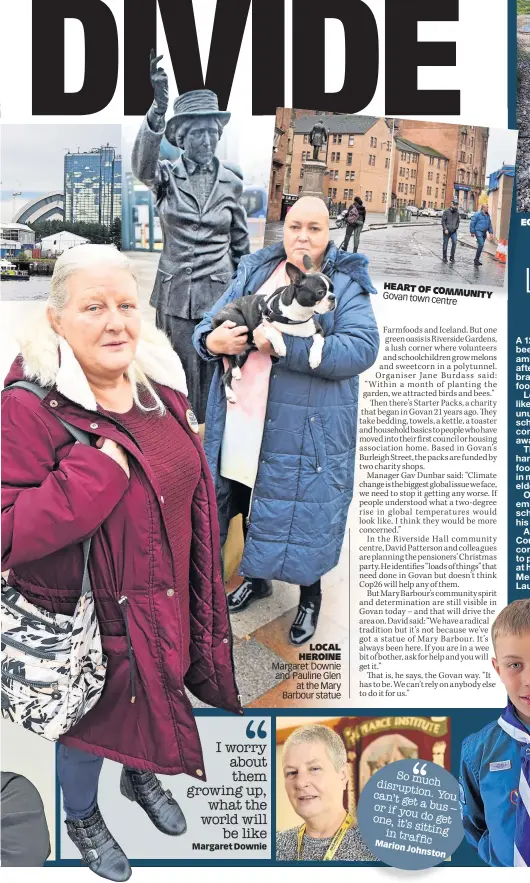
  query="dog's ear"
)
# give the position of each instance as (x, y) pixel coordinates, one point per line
(294, 274)
(309, 264)
(288, 295)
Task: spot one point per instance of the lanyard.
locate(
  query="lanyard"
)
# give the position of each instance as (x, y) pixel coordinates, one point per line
(335, 843)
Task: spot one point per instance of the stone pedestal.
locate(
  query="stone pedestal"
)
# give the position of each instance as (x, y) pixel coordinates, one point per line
(313, 180)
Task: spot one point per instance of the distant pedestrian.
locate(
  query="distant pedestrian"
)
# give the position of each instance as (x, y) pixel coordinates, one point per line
(479, 227)
(354, 223)
(450, 223)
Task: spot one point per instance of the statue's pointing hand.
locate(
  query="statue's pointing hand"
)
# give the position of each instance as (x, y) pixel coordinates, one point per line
(160, 84)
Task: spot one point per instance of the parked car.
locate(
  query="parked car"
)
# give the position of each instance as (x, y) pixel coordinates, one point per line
(428, 213)
(413, 209)
(465, 215)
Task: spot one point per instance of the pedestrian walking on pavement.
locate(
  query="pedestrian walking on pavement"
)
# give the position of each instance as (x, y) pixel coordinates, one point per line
(479, 227)
(354, 223)
(450, 224)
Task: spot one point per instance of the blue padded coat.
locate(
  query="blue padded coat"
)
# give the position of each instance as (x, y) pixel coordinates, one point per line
(304, 483)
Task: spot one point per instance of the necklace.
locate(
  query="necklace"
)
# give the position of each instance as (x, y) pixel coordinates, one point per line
(338, 837)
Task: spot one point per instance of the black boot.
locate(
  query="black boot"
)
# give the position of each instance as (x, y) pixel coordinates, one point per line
(249, 591)
(145, 789)
(98, 847)
(306, 619)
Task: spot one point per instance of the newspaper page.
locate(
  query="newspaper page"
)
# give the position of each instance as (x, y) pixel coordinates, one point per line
(265, 444)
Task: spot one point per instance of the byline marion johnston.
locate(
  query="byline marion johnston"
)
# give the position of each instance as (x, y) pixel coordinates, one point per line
(409, 848)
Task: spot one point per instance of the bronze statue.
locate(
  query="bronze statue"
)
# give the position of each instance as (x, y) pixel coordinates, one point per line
(318, 137)
(203, 221)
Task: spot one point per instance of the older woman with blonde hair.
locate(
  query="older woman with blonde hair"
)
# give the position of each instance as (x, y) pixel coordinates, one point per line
(143, 492)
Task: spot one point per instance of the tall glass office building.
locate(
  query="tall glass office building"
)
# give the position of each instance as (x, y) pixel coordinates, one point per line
(92, 186)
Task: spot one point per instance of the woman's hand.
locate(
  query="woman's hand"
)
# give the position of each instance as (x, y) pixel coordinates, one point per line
(229, 339)
(115, 452)
(263, 344)
(159, 82)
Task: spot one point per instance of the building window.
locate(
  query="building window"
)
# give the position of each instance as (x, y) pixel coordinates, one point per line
(338, 154)
(334, 194)
(412, 188)
(373, 142)
(334, 139)
(431, 160)
(351, 140)
(329, 192)
(336, 174)
(352, 176)
(333, 157)
(371, 159)
(345, 193)
(402, 155)
(429, 191)
(349, 159)
(436, 193)
(387, 162)
(301, 173)
(408, 173)
(406, 188)
(429, 176)
(306, 139)
(347, 176)
(300, 189)
(383, 198)
(437, 179)
(438, 163)
(368, 196)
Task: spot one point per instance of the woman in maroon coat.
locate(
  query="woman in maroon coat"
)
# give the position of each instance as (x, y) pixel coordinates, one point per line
(144, 493)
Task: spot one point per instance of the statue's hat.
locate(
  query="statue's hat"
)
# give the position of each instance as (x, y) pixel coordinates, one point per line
(199, 103)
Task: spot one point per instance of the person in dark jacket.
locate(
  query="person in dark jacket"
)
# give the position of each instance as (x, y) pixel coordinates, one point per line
(450, 224)
(356, 227)
(284, 457)
(203, 221)
(25, 836)
(480, 227)
(144, 494)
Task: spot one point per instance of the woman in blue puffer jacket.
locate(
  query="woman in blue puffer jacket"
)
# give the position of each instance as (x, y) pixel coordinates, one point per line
(285, 457)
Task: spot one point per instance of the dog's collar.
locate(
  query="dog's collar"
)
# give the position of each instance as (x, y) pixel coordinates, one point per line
(269, 310)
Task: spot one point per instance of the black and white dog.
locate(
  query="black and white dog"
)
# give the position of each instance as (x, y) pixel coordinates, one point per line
(289, 310)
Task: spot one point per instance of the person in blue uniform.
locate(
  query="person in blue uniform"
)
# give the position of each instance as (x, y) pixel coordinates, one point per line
(495, 762)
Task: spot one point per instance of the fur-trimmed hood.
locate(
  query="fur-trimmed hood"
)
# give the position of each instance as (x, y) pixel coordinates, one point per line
(48, 359)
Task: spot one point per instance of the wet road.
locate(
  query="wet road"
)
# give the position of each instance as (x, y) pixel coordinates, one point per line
(415, 252)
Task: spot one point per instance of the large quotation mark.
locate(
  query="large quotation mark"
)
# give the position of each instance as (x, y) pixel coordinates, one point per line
(260, 732)
(418, 772)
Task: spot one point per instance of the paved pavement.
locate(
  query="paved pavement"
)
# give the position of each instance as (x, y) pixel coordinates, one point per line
(415, 250)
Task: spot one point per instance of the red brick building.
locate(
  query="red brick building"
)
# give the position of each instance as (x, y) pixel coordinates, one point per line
(466, 148)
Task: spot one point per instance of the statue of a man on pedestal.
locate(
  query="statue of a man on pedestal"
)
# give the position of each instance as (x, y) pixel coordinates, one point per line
(318, 137)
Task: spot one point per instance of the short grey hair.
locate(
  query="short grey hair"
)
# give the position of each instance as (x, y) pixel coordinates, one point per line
(188, 124)
(319, 733)
(84, 257)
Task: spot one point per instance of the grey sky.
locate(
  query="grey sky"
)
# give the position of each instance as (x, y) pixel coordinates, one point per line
(502, 146)
(32, 155)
